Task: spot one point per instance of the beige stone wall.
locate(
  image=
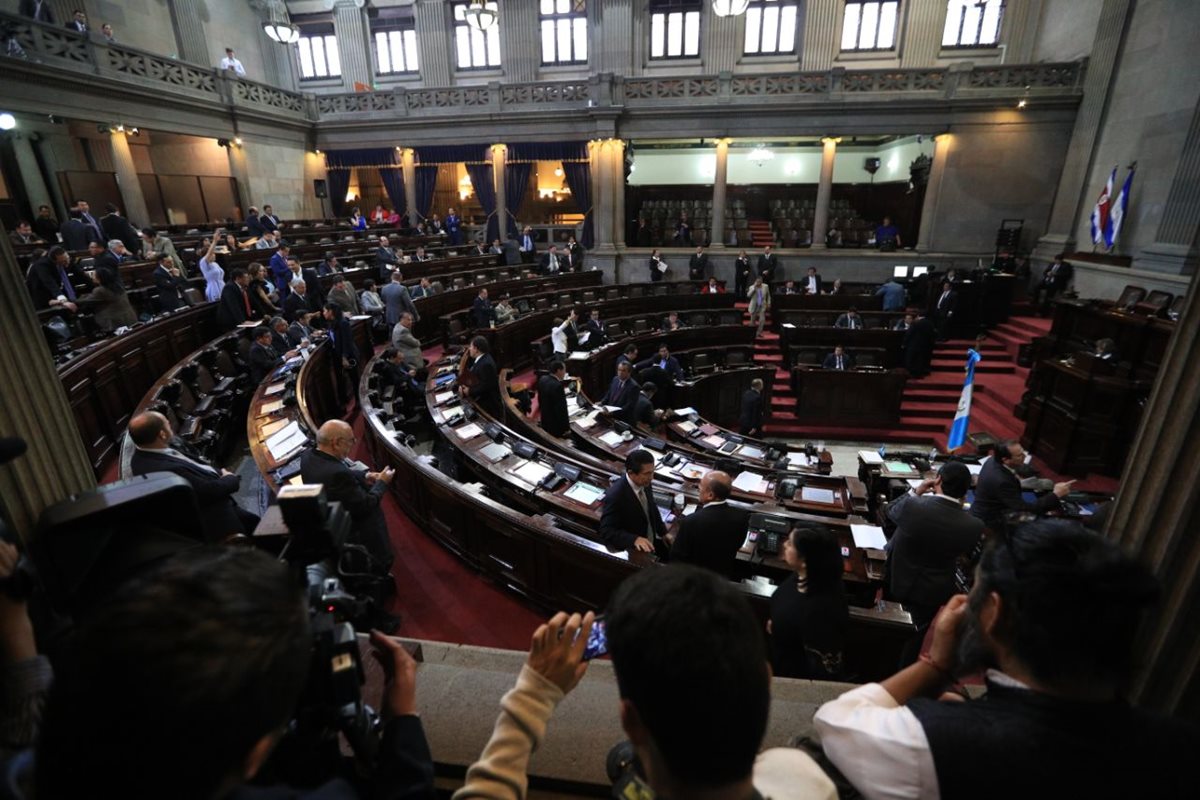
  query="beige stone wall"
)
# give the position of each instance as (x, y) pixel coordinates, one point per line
(188, 155)
(281, 176)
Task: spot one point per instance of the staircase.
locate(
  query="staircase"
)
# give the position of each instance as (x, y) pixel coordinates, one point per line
(761, 234)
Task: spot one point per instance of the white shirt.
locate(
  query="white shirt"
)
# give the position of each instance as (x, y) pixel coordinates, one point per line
(558, 337)
(812, 284)
(229, 62)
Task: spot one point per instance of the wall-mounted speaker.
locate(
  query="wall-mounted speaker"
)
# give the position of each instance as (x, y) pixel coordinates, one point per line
(320, 189)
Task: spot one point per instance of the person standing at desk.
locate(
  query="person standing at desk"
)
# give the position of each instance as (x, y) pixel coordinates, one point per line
(698, 264)
(998, 489)
(481, 310)
(629, 517)
(809, 611)
(812, 282)
(712, 536)
(528, 246)
(768, 265)
(893, 295)
(919, 341)
(552, 401)
(658, 267)
(482, 378)
(750, 421)
(944, 308)
(741, 274)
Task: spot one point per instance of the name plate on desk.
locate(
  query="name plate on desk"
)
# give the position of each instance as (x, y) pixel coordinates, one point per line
(811, 494)
(468, 431)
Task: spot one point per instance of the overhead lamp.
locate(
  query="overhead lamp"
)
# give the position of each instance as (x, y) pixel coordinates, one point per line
(730, 8)
(278, 25)
(237, 140)
(482, 14)
(759, 155)
(7, 121)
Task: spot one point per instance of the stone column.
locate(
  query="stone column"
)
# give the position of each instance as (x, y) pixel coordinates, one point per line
(1072, 191)
(354, 51)
(436, 57)
(921, 37)
(614, 29)
(127, 180)
(1175, 248)
(520, 40)
(824, 192)
(35, 407)
(241, 173)
(187, 22)
(618, 172)
(408, 166)
(820, 37)
(717, 234)
(1155, 515)
(723, 42)
(933, 190)
(31, 173)
(602, 208)
(499, 163)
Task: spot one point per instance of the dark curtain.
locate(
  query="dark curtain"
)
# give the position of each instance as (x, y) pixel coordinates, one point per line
(339, 163)
(485, 190)
(516, 180)
(450, 153)
(393, 184)
(337, 181)
(579, 179)
(426, 182)
(548, 151)
(576, 167)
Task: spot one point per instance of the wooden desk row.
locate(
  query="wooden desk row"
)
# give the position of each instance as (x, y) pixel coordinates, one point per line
(869, 397)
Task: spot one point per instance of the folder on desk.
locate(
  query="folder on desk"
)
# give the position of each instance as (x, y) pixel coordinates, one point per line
(868, 536)
(811, 494)
(870, 457)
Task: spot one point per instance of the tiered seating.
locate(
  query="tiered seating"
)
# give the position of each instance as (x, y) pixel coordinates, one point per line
(792, 221)
(663, 216)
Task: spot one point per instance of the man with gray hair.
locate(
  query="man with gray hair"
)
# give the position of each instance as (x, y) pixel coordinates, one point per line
(711, 536)
(407, 343)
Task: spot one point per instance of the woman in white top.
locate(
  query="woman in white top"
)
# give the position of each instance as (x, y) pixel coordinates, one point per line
(214, 275)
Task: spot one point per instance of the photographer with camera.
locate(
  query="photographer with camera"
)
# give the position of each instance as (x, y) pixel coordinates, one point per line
(182, 684)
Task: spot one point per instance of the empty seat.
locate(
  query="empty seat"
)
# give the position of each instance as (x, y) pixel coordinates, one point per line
(542, 303)
(702, 363)
(611, 294)
(641, 326)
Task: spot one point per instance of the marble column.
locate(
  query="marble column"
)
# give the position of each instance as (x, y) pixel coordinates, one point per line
(187, 22)
(408, 166)
(933, 190)
(1155, 516)
(819, 34)
(31, 173)
(349, 24)
(35, 407)
(603, 206)
(520, 40)
(241, 174)
(1175, 247)
(499, 162)
(716, 236)
(127, 180)
(921, 38)
(434, 48)
(1072, 193)
(618, 182)
(824, 192)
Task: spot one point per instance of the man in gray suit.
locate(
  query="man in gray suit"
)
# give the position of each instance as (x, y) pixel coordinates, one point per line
(404, 341)
(397, 300)
(512, 252)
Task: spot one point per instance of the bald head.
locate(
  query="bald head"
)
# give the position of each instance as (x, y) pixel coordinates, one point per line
(332, 431)
(147, 429)
(715, 486)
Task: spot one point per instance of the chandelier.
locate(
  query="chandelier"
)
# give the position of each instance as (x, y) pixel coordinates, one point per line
(730, 8)
(759, 155)
(482, 14)
(278, 25)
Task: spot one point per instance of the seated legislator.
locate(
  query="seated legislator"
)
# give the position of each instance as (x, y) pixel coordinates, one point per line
(838, 359)
(812, 282)
(789, 287)
(836, 287)
(155, 451)
(671, 322)
(170, 284)
(503, 312)
(551, 261)
(406, 342)
(1106, 350)
(24, 234)
(424, 288)
(622, 392)
(51, 280)
(850, 320)
(644, 412)
(263, 358)
(482, 377)
(932, 531)
(712, 287)
(629, 518)
(906, 323)
(552, 400)
(664, 361)
(234, 308)
(301, 329)
(395, 372)
(1053, 618)
(998, 489)
(712, 535)
(809, 611)
(750, 419)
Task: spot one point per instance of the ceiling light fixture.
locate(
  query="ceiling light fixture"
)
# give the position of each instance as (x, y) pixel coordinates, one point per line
(730, 8)
(7, 121)
(760, 155)
(482, 14)
(278, 25)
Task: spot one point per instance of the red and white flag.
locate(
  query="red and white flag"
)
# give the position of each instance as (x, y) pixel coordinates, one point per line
(1101, 211)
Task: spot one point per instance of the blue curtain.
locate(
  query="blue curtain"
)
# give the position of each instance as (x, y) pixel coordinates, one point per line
(337, 181)
(426, 182)
(339, 163)
(516, 180)
(393, 184)
(579, 178)
(450, 153)
(485, 190)
(547, 151)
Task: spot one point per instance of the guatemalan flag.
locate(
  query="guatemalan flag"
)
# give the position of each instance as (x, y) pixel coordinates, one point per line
(1100, 212)
(1116, 214)
(962, 416)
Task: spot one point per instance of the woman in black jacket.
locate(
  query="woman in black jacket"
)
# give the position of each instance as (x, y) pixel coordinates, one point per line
(809, 612)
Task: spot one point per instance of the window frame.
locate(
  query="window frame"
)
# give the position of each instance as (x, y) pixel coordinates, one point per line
(976, 45)
(666, 8)
(893, 47)
(574, 16)
(402, 27)
(493, 31)
(317, 30)
(762, 6)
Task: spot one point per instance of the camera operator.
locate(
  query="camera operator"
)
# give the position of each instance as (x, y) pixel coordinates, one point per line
(24, 675)
(183, 683)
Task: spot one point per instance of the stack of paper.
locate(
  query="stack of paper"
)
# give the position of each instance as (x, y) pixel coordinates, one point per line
(532, 472)
(586, 422)
(271, 407)
(272, 427)
(684, 412)
(715, 440)
(750, 482)
(798, 460)
(284, 442)
(690, 471)
(612, 439)
(748, 451)
(584, 493)
(687, 426)
(868, 536)
(274, 388)
(443, 397)
(870, 457)
(468, 431)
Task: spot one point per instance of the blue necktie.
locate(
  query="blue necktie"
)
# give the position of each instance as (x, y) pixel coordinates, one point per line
(68, 289)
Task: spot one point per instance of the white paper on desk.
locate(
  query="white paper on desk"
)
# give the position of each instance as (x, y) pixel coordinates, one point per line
(286, 432)
(271, 407)
(870, 457)
(272, 427)
(360, 316)
(612, 439)
(689, 509)
(532, 472)
(868, 536)
(254, 323)
(749, 451)
(750, 482)
(274, 388)
(586, 422)
(611, 409)
(715, 440)
(285, 447)
(797, 459)
(788, 325)
(810, 494)
(295, 359)
(684, 412)
(443, 397)
(578, 355)
(468, 431)
(584, 493)
(690, 471)
(687, 426)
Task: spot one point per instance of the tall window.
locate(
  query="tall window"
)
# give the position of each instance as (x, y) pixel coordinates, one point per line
(564, 31)
(317, 49)
(973, 23)
(770, 27)
(395, 42)
(476, 49)
(674, 28)
(870, 25)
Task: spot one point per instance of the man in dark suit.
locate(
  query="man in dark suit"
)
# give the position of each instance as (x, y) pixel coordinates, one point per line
(263, 358)
(114, 226)
(300, 329)
(38, 10)
(932, 531)
(254, 225)
(698, 265)
(630, 355)
(552, 400)
(270, 222)
(170, 284)
(768, 264)
(298, 302)
(838, 359)
(998, 490)
(712, 535)
(397, 300)
(551, 263)
(943, 308)
(78, 23)
(811, 283)
(220, 515)
(95, 234)
(75, 234)
(53, 276)
(622, 392)
(484, 380)
(281, 273)
(528, 246)
(629, 518)
(750, 421)
(644, 412)
(358, 492)
(594, 328)
(664, 361)
(850, 320)
(386, 259)
(1055, 278)
(280, 342)
(919, 341)
(234, 306)
(481, 310)
(512, 251)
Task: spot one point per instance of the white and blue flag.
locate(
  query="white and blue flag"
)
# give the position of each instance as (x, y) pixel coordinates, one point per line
(962, 416)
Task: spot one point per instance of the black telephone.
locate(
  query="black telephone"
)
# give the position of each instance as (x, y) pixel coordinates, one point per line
(552, 481)
(786, 489)
(773, 454)
(768, 543)
(670, 459)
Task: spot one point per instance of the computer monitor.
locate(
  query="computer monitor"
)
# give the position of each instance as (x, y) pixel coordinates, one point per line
(919, 271)
(900, 271)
